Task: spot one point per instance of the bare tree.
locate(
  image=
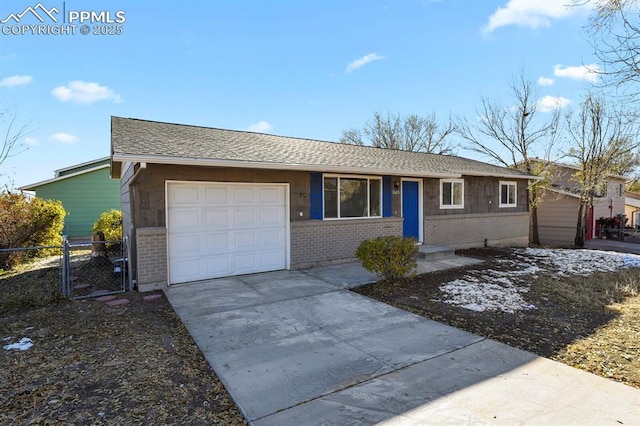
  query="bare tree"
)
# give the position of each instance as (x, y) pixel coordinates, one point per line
(602, 144)
(411, 133)
(516, 136)
(10, 135)
(614, 28)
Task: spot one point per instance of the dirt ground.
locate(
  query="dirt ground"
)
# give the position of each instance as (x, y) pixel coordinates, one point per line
(95, 364)
(588, 322)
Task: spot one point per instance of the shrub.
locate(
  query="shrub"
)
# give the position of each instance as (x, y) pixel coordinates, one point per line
(110, 224)
(391, 258)
(28, 222)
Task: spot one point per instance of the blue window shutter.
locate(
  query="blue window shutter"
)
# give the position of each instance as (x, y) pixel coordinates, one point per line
(316, 196)
(387, 191)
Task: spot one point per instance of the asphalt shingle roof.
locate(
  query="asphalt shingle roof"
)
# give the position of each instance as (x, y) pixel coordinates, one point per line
(151, 141)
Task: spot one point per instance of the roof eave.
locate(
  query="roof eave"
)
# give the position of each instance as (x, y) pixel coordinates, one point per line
(33, 186)
(211, 162)
(502, 175)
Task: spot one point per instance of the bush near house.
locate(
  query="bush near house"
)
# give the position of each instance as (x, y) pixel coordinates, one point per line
(110, 224)
(391, 258)
(28, 222)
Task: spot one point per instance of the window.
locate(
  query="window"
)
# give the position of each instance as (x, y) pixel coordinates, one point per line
(349, 197)
(508, 194)
(451, 193)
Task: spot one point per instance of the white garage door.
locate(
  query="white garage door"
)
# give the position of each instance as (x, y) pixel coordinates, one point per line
(223, 229)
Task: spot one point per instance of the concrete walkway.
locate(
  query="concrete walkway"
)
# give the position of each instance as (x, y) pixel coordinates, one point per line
(612, 245)
(298, 348)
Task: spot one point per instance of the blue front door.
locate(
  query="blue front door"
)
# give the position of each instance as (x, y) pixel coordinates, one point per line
(410, 210)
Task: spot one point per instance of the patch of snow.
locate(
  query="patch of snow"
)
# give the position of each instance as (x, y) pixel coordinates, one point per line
(495, 290)
(485, 296)
(6, 339)
(24, 344)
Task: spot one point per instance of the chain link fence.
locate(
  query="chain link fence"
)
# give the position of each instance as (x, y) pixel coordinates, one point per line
(94, 268)
(35, 276)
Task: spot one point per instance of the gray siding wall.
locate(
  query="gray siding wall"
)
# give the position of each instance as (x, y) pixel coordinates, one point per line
(481, 195)
(125, 198)
(557, 219)
(316, 241)
(470, 230)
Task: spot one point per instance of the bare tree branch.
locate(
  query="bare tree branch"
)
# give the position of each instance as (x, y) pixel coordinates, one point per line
(603, 143)
(10, 142)
(412, 133)
(515, 136)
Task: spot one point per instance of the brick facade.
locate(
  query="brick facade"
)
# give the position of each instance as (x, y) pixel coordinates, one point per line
(470, 230)
(317, 241)
(151, 258)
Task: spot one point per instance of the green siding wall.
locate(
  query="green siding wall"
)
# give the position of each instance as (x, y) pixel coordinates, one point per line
(84, 197)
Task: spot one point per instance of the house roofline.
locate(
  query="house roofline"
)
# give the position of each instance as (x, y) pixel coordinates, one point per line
(210, 162)
(576, 168)
(75, 166)
(560, 191)
(32, 187)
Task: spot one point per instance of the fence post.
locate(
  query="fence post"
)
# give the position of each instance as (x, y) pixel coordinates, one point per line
(127, 259)
(65, 267)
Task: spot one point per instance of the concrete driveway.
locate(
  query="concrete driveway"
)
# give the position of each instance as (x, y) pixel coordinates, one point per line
(297, 348)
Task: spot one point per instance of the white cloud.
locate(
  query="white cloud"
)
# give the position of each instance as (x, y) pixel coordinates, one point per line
(546, 81)
(16, 80)
(582, 72)
(64, 138)
(360, 62)
(260, 126)
(82, 92)
(31, 141)
(528, 13)
(551, 103)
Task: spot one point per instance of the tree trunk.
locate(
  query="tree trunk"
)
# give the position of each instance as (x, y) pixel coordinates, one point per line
(579, 240)
(98, 248)
(535, 235)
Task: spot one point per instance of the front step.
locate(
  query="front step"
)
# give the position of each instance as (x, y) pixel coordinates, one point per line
(435, 252)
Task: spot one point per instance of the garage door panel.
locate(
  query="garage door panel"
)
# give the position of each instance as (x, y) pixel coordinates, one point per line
(183, 270)
(218, 266)
(246, 263)
(217, 219)
(217, 243)
(217, 195)
(271, 216)
(244, 218)
(244, 194)
(185, 219)
(245, 240)
(270, 260)
(186, 194)
(185, 245)
(224, 229)
(271, 238)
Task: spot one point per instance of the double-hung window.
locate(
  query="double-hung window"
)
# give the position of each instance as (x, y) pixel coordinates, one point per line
(508, 194)
(352, 197)
(451, 193)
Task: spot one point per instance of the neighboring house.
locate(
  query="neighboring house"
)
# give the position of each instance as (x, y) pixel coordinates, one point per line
(201, 203)
(558, 210)
(86, 191)
(632, 208)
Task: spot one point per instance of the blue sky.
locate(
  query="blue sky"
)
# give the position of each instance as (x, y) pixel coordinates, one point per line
(307, 68)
